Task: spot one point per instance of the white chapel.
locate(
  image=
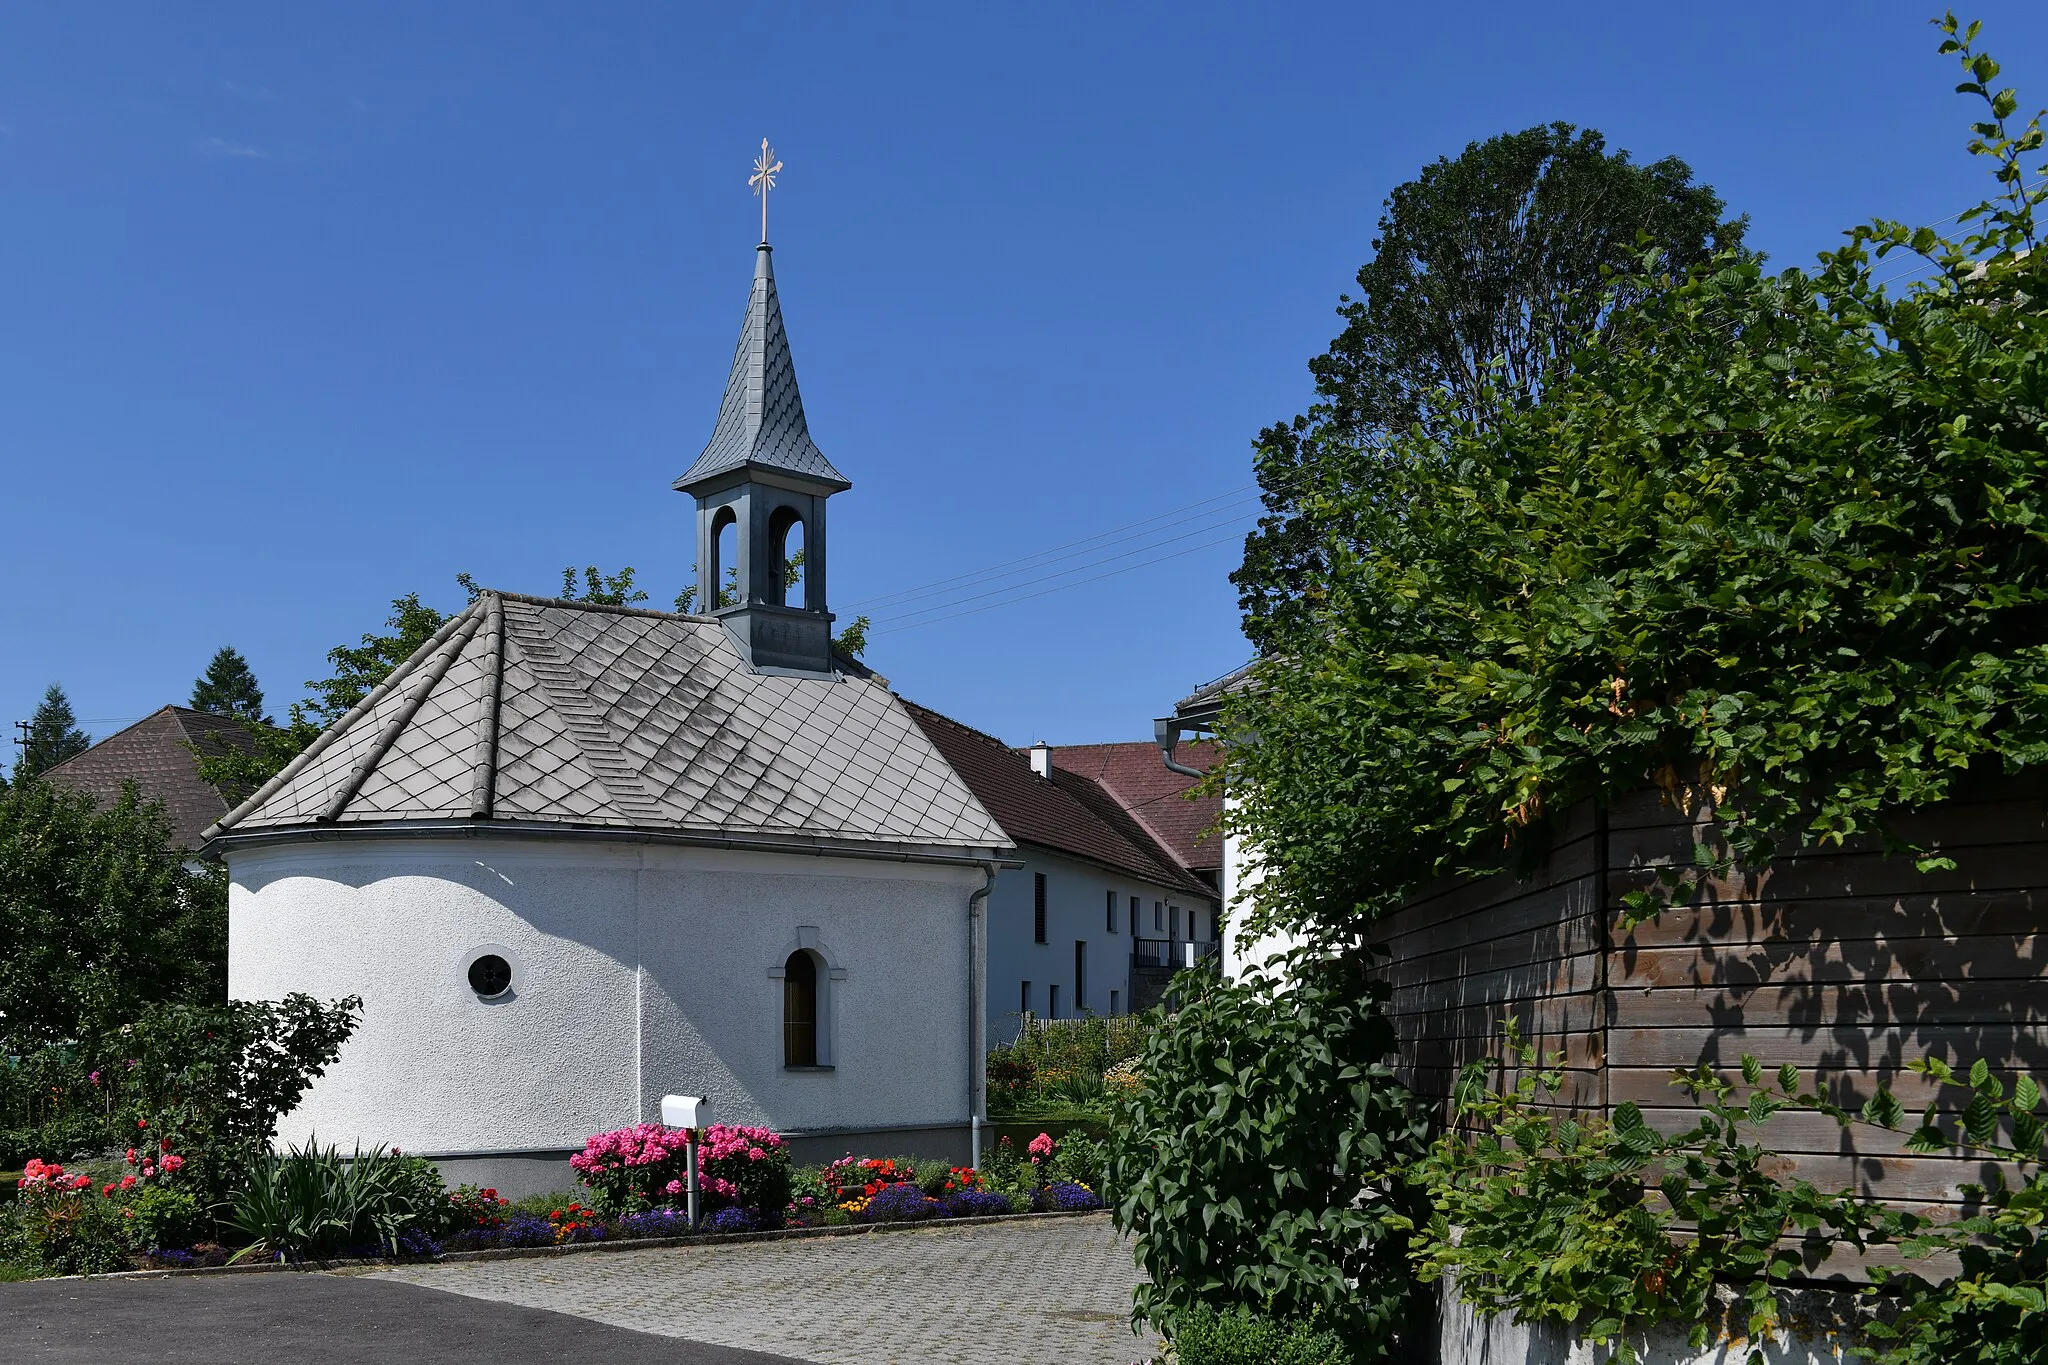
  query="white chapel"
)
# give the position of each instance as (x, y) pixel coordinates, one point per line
(574, 857)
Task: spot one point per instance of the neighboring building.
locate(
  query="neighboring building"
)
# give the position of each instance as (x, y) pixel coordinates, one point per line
(157, 754)
(575, 857)
(1101, 913)
(1239, 872)
(1158, 797)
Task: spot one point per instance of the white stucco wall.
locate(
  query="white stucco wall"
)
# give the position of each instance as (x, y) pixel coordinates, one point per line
(1241, 877)
(1076, 910)
(640, 970)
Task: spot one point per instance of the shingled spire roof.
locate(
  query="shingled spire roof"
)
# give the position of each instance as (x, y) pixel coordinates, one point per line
(761, 420)
(527, 713)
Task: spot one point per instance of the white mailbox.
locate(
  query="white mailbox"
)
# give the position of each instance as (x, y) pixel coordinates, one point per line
(685, 1111)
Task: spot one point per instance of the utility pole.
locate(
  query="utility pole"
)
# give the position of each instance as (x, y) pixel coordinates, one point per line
(21, 746)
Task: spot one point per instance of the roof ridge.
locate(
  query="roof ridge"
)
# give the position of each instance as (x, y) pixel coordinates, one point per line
(616, 610)
(326, 738)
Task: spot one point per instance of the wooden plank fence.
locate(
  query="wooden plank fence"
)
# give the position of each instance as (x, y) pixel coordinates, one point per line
(1847, 962)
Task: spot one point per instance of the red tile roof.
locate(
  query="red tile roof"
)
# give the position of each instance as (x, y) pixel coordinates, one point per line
(1069, 813)
(1154, 795)
(153, 754)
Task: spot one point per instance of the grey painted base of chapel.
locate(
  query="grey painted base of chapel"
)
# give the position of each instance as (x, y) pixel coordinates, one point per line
(516, 1175)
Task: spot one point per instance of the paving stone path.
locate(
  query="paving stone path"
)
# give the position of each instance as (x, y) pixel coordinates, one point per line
(1056, 1292)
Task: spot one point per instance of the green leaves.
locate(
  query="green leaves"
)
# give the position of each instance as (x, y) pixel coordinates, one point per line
(1773, 543)
(1252, 1165)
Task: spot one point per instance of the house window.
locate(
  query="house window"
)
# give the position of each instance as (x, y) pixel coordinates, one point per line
(1112, 912)
(1038, 907)
(1024, 999)
(1215, 926)
(1080, 975)
(1052, 1001)
(1134, 917)
(1158, 916)
(800, 1010)
(1115, 1007)
(1173, 921)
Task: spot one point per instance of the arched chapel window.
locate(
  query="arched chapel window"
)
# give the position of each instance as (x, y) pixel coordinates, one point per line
(800, 1010)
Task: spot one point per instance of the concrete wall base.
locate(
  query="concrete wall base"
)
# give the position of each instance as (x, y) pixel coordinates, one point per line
(1817, 1325)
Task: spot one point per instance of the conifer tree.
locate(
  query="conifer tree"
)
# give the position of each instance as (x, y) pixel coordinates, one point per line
(53, 735)
(228, 688)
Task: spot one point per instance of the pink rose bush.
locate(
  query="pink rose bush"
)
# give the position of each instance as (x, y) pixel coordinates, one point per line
(632, 1169)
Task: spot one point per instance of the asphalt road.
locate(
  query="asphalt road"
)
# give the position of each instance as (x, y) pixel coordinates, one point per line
(311, 1319)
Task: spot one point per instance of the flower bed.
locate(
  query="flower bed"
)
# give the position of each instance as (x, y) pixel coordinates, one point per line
(76, 1221)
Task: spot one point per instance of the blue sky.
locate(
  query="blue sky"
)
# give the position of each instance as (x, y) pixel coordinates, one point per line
(302, 310)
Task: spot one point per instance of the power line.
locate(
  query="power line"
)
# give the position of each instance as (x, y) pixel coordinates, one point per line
(1128, 568)
(1078, 568)
(1924, 265)
(1018, 565)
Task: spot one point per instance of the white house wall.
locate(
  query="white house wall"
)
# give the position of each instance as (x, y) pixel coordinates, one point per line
(1075, 911)
(639, 970)
(1241, 877)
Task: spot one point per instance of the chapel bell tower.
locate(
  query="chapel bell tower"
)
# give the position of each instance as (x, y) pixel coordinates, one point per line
(764, 477)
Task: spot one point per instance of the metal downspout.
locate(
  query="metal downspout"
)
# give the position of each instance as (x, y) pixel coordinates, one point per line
(977, 1009)
(1166, 732)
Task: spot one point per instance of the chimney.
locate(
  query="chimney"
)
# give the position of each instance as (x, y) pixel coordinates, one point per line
(1041, 759)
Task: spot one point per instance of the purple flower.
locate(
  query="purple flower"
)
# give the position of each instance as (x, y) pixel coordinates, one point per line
(730, 1220)
(1067, 1197)
(654, 1223)
(527, 1230)
(900, 1204)
(974, 1204)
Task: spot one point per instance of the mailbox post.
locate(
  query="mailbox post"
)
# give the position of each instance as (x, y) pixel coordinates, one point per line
(688, 1112)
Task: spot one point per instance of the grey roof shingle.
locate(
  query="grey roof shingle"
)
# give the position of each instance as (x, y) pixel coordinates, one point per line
(761, 419)
(533, 710)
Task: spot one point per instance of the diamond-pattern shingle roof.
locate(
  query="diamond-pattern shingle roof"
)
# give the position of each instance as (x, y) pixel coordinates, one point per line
(761, 419)
(536, 711)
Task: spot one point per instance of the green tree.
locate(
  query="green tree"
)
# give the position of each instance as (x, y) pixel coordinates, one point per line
(1774, 545)
(1489, 272)
(228, 688)
(101, 915)
(53, 735)
(355, 670)
(602, 589)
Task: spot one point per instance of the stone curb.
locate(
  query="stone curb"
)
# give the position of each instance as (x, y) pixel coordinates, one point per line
(363, 1267)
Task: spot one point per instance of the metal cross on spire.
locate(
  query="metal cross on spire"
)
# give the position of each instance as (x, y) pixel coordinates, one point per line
(763, 180)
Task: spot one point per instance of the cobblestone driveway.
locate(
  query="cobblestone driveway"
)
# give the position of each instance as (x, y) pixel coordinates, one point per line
(1056, 1292)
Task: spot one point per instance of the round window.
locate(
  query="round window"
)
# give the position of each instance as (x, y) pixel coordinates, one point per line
(490, 975)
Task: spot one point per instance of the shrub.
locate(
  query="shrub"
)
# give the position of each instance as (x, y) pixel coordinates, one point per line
(1079, 1158)
(312, 1201)
(1237, 1336)
(753, 1162)
(62, 1226)
(165, 1217)
(217, 1078)
(470, 1207)
(1254, 1163)
(640, 1167)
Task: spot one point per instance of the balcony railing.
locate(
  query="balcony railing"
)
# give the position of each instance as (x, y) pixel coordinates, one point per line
(1171, 953)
